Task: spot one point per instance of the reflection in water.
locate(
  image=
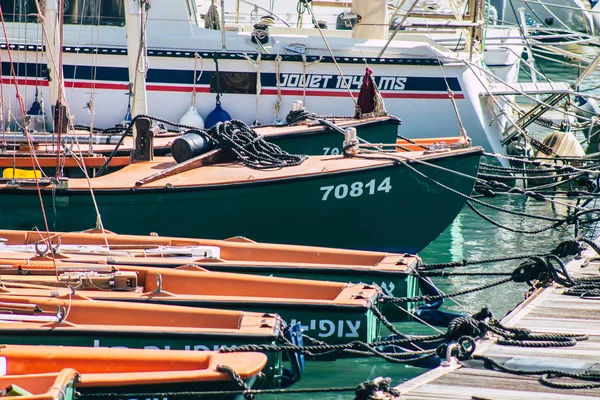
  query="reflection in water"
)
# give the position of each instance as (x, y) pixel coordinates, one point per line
(469, 237)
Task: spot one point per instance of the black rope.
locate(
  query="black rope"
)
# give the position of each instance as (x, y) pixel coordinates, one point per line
(302, 114)
(428, 298)
(546, 375)
(213, 394)
(483, 322)
(363, 391)
(590, 243)
(356, 348)
(464, 263)
(538, 268)
(250, 148)
(541, 168)
(233, 135)
(552, 176)
(570, 219)
(237, 379)
(386, 322)
(515, 230)
(532, 194)
(446, 274)
(107, 131)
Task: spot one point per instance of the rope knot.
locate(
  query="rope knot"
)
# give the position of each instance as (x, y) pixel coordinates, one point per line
(482, 314)
(296, 116)
(466, 347)
(531, 270)
(567, 248)
(377, 389)
(464, 326)
(572, 219)
(462, 349)
(350, 148)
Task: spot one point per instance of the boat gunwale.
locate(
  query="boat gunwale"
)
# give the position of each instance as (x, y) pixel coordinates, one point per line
(52, 190)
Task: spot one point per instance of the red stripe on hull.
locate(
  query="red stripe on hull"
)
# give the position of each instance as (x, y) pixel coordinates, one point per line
(188, 89)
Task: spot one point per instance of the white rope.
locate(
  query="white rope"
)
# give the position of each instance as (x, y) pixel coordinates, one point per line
(452, 299)
(143, 64)
(70, 123)
(256, 65)
(512, 87)
(197, 79)
(421, 320)
(81, 164)
(258, 36)
(305, 65)
(277, 106)
(54, 63)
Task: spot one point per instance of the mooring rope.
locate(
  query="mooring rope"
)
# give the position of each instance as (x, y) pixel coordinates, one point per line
(546, 375)
(364, 391)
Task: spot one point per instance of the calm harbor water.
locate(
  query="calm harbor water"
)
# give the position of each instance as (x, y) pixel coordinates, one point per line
(472, 238)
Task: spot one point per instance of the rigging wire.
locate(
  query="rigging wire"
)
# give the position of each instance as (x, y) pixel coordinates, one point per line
(28, 137)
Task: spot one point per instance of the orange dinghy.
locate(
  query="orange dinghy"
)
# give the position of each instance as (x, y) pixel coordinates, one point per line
(134, 373)
(390, 271)
(73, 320)
(51, 386)
(330, 311)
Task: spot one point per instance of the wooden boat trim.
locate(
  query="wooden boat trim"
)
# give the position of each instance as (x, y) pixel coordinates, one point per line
(343, 302)
(23, 161)
(184, 285)
(232, 174)
(10, 262)
(231, 251)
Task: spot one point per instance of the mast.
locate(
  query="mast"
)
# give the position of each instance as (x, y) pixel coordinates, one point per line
(54, 16)
(136, 16)
(53, 49)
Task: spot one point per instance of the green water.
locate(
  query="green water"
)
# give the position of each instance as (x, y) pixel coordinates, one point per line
(469, 237)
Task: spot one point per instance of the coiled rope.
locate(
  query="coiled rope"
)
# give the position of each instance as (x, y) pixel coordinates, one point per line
(234, 135)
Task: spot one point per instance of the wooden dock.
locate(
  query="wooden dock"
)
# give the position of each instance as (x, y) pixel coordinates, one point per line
(548, 310)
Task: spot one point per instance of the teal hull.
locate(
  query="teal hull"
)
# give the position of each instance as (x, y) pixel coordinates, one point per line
(393, 284)
(394, 210)
(330, 142)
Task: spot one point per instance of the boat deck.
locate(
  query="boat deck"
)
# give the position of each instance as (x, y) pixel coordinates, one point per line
(547, 311)
(227, 173)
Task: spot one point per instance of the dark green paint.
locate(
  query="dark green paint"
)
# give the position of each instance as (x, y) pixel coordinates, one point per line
(405, 219)
(328, 141)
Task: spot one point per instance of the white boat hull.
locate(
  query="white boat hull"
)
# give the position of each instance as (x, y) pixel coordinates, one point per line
(416, 81)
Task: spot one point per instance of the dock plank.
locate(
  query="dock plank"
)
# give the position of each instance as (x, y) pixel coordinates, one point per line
(547, 311)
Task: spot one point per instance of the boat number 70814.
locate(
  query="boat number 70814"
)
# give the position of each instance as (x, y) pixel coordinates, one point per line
(355, 189)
